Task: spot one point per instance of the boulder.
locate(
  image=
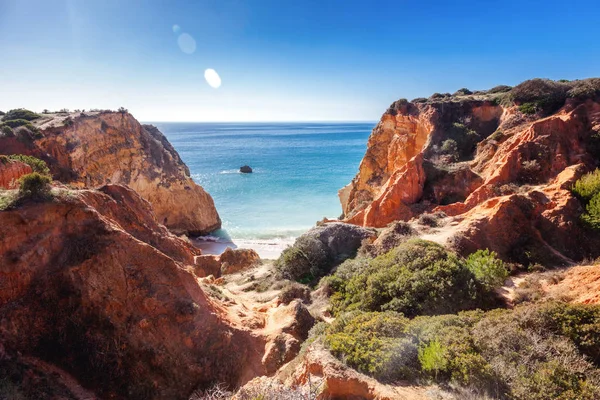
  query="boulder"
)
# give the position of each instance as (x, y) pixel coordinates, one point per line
(237, 260)
(246, 169)
(340, 240)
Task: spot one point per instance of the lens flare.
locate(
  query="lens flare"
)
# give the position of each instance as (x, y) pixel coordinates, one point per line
(176, 29)
(212, 78)
(186, 43)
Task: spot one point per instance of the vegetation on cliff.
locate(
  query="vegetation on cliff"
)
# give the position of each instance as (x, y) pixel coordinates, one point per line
(536, 351)
(416, 278)
(588, 190)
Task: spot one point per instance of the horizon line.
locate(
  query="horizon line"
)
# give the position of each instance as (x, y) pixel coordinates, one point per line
(262, 122)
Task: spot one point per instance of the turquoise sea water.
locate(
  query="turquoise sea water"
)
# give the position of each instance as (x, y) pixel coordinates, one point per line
(298, 169)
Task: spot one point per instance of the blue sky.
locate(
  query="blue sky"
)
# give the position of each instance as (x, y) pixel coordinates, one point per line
(282, 60)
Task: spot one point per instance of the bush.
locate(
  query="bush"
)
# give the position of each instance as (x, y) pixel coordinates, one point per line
(500, 89)
(585, 89)
(419, 100)
(36, 164)
(497, 136)
(462, 92)
(587, 189)
(306, 260)
(429, 220)
(528, 108)
(15, 123)
(21, 113)
(294, 290)
(449, 147)
(7, 131)
(34, 186)
(587, 186)
(416, 278)
(535, 351)
(544, 94)
(488, 269)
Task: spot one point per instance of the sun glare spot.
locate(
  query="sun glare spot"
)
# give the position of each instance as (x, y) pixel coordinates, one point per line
(186, 43)
(212, 78)
(176, 28)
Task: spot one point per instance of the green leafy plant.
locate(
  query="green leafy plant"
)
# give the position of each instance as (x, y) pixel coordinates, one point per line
(36, 164)
(34, 186)
(488, 269)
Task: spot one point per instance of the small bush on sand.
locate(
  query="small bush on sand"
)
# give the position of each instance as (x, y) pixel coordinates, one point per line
(293, 291)
(462, 92)
(34, 186)
(500, 89)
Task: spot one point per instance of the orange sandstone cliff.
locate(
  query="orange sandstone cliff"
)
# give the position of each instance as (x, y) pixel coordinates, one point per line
(94, 285)
(501, 176)
(98, 148)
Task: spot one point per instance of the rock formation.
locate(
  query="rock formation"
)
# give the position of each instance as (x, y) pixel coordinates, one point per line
(11, 171)
(246, 169)
(107, 294)
(112, 147)
(505, 180)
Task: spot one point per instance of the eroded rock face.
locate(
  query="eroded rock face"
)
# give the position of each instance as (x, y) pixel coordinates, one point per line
(112, 147)
(109, 295)
(229, 262)
(511, 194)
(10, 173)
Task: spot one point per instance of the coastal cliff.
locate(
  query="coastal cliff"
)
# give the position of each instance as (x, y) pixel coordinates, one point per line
(88, 150)
(500, 168)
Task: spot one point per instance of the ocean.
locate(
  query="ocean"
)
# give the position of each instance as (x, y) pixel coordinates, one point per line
(297, 170)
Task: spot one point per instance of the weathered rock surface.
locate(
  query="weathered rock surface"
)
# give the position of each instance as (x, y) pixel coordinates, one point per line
(107, 294)
(112, 147)
(340, 240)
(246, 169)
(512, 195)
(11, 171)
(229, 262)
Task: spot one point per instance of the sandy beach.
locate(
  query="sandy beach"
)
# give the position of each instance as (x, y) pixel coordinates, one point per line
(268, 249)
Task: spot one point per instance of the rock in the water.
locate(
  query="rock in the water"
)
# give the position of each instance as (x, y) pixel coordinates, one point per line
(246, 169)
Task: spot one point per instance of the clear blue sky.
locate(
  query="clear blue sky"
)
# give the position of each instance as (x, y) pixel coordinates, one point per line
(280, 59)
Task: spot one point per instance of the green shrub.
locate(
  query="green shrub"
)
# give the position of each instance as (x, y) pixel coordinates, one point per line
(528, 108)
(15, 123)
(587, 189)
(587, 186)
(591, 217)
(419, 100)
(544, 94)
(418, 277)
(21, 113)
(6, 131)
(497, 136)
(500, 89)
(34, 186)
(450, 147)
(306, 260)
(488, 269)
(36, 164)
(585, 89)
(535, 351)
(433, 357)
(462, 92)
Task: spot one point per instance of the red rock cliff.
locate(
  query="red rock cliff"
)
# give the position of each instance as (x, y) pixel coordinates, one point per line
(505, 180)
(112, 147)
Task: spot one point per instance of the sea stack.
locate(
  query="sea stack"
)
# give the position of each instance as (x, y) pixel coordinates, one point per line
(246, 169)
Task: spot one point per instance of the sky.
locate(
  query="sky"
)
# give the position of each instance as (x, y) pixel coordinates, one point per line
(281, 60)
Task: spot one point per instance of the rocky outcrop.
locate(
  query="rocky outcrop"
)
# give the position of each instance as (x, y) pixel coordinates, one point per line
(109, 295)
(95, 149)
(11, 171)
(509, 191)
(228, 262)
(339, 240)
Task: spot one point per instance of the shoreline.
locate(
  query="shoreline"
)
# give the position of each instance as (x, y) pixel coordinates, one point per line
(267, 249)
